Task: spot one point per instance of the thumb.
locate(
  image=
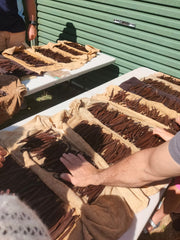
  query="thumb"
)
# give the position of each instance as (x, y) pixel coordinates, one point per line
(66, 177)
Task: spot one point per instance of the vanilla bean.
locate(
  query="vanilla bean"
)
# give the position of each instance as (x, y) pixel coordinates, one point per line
(162, 86)
(51, 152)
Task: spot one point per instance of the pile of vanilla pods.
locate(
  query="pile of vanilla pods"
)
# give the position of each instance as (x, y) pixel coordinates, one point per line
(29, 188)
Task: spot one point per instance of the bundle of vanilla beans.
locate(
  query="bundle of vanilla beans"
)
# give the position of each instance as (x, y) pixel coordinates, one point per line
(122, 98)
(29, 188)
(141, 136)
(49, 146)
(153, 92)
(10, 67)
(102, 143)
(111, 126)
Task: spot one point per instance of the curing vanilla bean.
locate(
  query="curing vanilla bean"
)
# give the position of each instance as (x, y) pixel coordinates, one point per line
(151, 93)
(125, 126)
(100, 142)
(33, 191)
(162, 86)
(30, 59)
(48, 146)
(122, 98)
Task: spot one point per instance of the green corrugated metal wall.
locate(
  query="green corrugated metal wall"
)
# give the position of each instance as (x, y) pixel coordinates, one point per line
(153, 43)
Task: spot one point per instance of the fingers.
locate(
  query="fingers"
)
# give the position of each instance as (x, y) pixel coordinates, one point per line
(3, 152)
(32, 32)
(178, 119)
(81, 171)
(5, 192)
(72, 161)
(82, 158)
(66, 177)
(163, 133)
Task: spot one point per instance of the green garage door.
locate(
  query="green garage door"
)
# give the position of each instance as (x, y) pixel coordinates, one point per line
(137, 33)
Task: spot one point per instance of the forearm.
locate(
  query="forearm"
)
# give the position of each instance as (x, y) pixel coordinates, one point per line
(141, 168)
(31, 10)
(130, 172)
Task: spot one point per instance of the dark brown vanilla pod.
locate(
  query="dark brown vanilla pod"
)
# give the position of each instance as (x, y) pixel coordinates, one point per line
(126, 126)
(148, 92)
(64, 225)
(76, 46)
(30, 189)
(107, 147)
(51, 57)
(54, 55)
(34, 62)
(47, 145)
(144, 109)
(68, 50)
(156, 111)
(162, 86)
(10, 67)
(130, 83)
(166, 77)
(91, 191)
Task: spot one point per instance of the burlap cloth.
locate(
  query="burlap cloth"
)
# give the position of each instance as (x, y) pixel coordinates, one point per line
(165, 77)
(12, 101)
(110, 215)
(107, 218)
(137, 198)
(49, 63)
(112, 91)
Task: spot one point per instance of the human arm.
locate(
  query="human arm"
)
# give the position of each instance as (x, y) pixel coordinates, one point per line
(143, 167)
(31, 12)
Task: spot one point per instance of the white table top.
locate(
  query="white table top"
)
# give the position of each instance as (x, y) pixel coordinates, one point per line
(142, 217)
(35, 84)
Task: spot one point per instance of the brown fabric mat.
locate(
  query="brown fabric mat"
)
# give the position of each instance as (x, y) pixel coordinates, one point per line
(90, 222)
(11, 97)
(51, 57)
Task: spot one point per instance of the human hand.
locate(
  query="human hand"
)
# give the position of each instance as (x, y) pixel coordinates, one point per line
(5, 192)
(3, 153)
(32, 32)
(178, 119)
(82, 172)
(163, 133)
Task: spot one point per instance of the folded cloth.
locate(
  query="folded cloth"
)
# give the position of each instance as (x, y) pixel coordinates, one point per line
(11, 96)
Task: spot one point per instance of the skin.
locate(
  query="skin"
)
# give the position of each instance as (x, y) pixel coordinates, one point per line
(31, 11)
(124, 173)
(171, 201)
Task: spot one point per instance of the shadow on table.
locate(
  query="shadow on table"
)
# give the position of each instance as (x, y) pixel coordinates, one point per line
(63, 92)
(97, 77)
